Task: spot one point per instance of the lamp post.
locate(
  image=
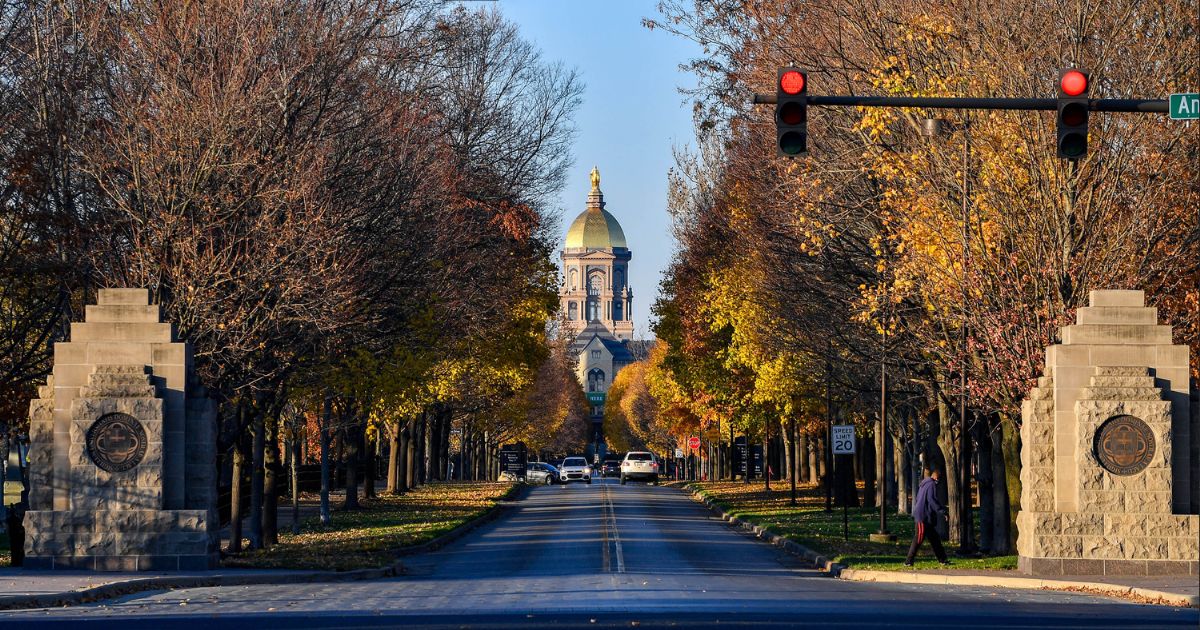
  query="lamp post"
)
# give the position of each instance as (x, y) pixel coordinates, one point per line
(931, 128)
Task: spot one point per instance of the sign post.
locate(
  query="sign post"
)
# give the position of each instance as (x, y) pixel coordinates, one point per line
(843, 444)
(1184, 106)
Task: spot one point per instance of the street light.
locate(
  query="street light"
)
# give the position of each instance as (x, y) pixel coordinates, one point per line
(931, 128)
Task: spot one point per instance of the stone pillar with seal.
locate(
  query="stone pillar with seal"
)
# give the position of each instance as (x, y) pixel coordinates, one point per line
(1108, 472)
(123, 446)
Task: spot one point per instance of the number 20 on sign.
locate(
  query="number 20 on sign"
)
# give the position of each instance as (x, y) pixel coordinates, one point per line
(843, 439)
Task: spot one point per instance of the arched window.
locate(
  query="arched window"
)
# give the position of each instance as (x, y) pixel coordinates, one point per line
(572, 311)
(593, 309)
(617, 310)
(596, 380)
(618, 280)
(595, 283)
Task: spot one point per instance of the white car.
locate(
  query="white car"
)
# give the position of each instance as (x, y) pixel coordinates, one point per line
(639, 465)
(575, 469)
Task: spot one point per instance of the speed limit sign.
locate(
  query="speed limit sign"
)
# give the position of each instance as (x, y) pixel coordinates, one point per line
(843, 439)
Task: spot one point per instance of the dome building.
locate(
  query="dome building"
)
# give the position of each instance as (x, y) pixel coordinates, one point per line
(596, 299)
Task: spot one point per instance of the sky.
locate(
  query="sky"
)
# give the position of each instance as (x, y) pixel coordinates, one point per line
(631, 117)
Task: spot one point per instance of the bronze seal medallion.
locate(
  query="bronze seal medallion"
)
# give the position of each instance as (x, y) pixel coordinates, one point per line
(1124, 445)
(116, 442)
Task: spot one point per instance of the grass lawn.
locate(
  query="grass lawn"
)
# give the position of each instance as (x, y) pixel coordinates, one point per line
(370, 537)
(808, 524)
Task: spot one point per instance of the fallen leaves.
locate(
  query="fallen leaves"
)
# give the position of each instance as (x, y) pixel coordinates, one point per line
(370, 537)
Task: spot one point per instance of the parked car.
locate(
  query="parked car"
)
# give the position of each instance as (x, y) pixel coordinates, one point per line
(540, 473)
(574, 469)
(639, 465)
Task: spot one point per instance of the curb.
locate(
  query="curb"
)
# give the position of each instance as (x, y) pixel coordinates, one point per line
(137, 585)
(838, 570)
(896, 577)
(819, 561)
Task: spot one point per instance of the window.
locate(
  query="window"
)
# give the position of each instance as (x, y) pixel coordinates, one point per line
(572, 311)
(593, 309)
(595, 354)
(596, 380)
(595, 283)
(617, 310)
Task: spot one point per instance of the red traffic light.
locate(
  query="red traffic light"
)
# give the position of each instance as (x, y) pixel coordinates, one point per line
(792, 82)
(1073, 83)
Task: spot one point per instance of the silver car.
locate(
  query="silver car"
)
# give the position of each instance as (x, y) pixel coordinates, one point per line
(540, 473)
(574, 469)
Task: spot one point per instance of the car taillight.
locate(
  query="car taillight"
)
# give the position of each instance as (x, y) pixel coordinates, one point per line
(654, 464)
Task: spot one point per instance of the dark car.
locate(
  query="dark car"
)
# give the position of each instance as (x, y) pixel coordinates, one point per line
(610, 468)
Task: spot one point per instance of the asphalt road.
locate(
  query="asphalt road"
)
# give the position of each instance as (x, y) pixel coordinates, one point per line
(607, 555)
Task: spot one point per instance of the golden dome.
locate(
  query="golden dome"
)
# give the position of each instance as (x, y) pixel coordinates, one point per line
(595, 228)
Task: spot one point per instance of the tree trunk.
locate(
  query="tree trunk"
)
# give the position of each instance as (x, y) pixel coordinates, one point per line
(903, 471)
(789, 460)
(271, 474)
(410, 454)
(370, 445)
(983, 477)
(257, 478)
(948, 443)
(1005, 468)
(295, 480)
(767, 455)
(352, 439)
(326, 421)
(444, 451)
(419, 438)
(235, 499)
(815, 458)
(869, 467)
(393, 476)
(433, 431)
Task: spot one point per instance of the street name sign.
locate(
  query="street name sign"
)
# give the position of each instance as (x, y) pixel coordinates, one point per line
(1185, 106)
(843, 439)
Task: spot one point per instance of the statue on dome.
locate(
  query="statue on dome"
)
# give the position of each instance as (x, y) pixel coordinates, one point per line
(595, 179)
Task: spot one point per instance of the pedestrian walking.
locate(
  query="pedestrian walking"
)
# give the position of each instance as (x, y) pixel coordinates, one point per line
(925, 513)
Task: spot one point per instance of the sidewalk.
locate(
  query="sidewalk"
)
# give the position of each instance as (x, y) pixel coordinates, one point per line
(1182, 590)
(20, 588)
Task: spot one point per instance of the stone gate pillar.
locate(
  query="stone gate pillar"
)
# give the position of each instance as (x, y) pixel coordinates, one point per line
(1108, 465)
(122, 448)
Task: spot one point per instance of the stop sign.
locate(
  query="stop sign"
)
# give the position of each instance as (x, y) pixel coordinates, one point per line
(693, 443)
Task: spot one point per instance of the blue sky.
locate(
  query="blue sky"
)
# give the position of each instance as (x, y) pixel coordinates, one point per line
(632, 115)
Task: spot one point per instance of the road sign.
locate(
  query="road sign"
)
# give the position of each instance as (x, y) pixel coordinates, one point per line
(678, 453)
(1185, 106)
(693, 443)
(596, 398)
(843, 439)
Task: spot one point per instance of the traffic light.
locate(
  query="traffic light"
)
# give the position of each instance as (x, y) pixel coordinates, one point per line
(1072, 113)
(791, 112)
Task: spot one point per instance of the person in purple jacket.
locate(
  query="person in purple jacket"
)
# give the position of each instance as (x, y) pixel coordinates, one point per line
(925, 512)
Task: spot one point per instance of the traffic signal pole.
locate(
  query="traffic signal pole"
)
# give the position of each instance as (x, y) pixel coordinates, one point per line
(1149, 106)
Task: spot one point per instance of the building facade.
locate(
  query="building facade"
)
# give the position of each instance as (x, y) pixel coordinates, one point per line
(597, 301)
